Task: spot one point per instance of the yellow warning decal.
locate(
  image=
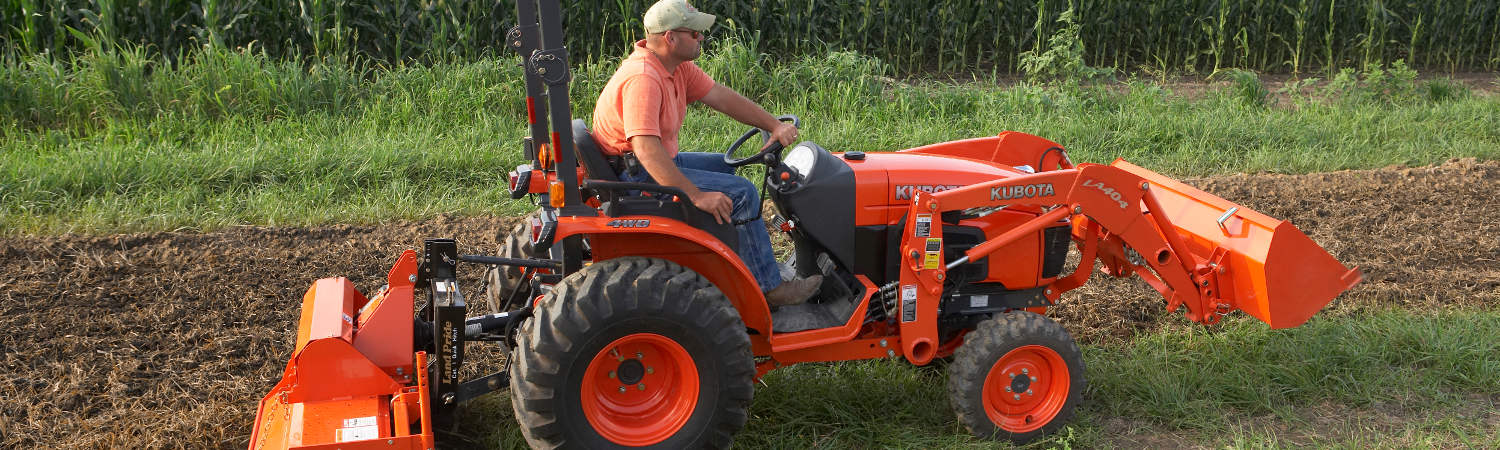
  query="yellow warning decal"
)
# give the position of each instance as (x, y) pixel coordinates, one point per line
(934, 258)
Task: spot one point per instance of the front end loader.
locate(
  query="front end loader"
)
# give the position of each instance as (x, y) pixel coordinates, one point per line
(627, 319)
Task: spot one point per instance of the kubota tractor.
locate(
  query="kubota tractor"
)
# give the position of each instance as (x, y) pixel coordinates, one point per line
(629, 321)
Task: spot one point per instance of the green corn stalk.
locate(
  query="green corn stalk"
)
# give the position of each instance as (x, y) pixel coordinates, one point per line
(1299, 33)
(28, 32)
(1330, 63)
(952, 36)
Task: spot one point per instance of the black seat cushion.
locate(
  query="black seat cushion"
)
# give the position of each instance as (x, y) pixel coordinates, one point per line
(589, 155)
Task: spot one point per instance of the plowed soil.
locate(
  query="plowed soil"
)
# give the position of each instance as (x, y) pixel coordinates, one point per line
(170, 339)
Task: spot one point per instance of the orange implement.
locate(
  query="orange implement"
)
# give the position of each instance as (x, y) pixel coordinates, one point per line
(350, 382)
(1263, 266)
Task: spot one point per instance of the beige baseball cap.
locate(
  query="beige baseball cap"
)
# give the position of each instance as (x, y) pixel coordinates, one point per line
(673, 14)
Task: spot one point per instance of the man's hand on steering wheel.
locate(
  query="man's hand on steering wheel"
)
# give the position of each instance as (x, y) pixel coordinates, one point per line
(784, 133)
(779, 137)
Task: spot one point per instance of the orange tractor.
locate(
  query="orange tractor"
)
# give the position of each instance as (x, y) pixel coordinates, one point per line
(629, 321)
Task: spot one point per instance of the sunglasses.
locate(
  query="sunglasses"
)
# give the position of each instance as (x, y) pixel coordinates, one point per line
(696, 34)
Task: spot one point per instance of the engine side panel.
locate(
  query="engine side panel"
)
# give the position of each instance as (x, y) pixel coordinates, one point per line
(886, 183)
(1017, 265)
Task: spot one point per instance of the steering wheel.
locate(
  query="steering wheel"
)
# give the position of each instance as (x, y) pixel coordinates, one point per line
(774, 148)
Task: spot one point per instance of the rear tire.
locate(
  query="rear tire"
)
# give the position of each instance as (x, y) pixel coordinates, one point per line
(632, 352)
(1018, 376)
(500, 281)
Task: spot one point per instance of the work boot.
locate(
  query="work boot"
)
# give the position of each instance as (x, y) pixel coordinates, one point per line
(795, 291)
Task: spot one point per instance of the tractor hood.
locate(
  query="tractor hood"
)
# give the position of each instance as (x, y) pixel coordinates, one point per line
(887, 181)
(906, 173)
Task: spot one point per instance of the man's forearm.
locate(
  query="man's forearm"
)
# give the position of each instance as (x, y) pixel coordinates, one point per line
(653, 157)
(736, 106)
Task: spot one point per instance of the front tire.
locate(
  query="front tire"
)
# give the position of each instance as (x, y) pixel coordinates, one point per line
(632, 352)
(1018, 376)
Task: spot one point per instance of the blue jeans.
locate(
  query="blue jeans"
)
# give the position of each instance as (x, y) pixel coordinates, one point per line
(708, 172)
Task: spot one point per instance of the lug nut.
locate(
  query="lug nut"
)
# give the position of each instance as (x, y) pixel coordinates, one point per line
(1025, 371)
(1007, 389)
(1028, 392)
(638, 355)
(1033, 378)
(641, 386)
(1011, 375)
(611, 374)
(1016, 397)
(649, 370)
(622, 389)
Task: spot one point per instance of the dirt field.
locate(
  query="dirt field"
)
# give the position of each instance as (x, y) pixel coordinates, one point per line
(169, 339)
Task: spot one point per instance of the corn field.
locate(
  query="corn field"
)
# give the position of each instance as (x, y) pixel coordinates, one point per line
(911, 35)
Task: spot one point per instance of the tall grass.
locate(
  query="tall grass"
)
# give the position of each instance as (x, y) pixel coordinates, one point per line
(910, 35)
(116, 140)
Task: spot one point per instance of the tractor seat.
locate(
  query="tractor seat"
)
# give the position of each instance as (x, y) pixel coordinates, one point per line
(589, 155)
(618, 204)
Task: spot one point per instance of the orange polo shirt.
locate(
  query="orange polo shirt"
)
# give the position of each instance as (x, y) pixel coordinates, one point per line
(643, 99)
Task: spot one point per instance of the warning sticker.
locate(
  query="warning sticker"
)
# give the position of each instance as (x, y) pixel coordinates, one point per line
(358, 429)
(924, 225)
(934, 258)
(908, 303)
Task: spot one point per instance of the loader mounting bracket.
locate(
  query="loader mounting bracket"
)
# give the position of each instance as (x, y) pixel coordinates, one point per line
(982, 301)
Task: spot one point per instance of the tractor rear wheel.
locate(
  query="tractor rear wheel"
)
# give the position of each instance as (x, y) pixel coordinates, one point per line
(501, 281)
(1018, 376)
(632, 352)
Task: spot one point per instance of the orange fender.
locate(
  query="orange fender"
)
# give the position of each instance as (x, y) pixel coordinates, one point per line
(672, 240)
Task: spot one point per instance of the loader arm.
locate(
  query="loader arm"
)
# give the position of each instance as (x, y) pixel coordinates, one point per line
(1197, 250)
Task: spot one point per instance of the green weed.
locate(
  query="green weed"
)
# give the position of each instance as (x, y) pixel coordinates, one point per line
(1062, 59)
(1245, 87)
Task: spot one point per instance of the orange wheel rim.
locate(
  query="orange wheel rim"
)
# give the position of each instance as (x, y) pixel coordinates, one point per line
(1026, 388)
(640, 389)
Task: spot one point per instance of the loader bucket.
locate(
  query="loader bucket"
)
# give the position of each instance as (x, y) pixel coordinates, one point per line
(1265, 267)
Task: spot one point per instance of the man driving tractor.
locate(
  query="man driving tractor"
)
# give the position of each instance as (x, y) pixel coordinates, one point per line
(640, 113)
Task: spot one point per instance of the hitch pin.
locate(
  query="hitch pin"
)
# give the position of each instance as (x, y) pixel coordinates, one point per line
(1225, 217)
